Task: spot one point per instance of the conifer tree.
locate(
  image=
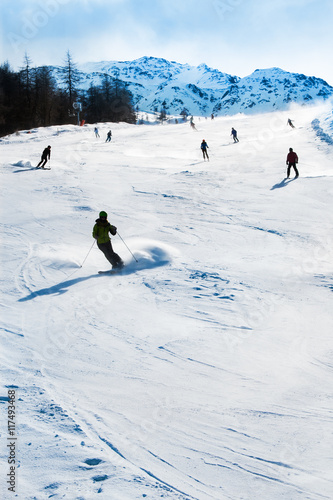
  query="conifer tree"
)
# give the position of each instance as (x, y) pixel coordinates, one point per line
(70, 78)
(45, 97)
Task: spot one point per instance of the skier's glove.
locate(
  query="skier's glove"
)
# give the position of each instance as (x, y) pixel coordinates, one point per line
(113, 230)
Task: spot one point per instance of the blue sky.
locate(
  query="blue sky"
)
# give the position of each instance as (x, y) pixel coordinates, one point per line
(234, 36)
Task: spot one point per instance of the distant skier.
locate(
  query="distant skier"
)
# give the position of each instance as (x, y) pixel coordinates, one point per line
(292, 159)
(108, 137)
(192, 124)
(212, 116)
(101, 231)
(96, 132)
(234, 134)
(46, 155)
(204, 147)
(289, 122)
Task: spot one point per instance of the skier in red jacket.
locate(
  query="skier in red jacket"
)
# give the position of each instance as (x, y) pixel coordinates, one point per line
(292, 159)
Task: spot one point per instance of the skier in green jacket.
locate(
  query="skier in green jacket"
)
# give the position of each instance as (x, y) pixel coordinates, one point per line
(101, 231)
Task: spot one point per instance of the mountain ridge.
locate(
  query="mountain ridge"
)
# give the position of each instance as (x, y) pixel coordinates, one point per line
(157, 83)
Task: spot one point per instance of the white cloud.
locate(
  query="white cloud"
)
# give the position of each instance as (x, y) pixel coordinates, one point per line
(250, 34)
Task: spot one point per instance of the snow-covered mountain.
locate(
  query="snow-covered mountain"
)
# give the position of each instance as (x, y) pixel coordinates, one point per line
(201, 90)
(271, 89)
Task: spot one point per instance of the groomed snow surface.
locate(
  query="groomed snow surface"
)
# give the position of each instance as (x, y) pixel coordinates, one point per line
(204, 370)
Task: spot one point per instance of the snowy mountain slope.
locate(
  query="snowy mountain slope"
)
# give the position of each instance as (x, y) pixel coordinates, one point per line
(155, 82)
(203, 371)
(202, 90)
(269, 89)
(323, 126)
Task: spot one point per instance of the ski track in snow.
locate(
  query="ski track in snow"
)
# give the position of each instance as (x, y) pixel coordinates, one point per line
(203, 370)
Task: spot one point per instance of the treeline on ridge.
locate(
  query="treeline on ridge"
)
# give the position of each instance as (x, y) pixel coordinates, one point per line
(31, 97)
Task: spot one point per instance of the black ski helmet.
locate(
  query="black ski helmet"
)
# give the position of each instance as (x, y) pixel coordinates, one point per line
(103, 214)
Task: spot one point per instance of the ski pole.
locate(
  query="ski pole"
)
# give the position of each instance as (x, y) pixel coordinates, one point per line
(127, 247)
(88, 253)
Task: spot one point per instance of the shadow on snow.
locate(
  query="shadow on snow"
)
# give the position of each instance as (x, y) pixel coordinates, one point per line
(156, 257)
(27, 170)
(59, 289)
(282, 184)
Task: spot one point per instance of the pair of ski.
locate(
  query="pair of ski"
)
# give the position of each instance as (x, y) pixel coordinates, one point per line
(111, 271)
(43, 168)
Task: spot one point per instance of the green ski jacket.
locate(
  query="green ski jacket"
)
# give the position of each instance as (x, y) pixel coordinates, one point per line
(101, 231)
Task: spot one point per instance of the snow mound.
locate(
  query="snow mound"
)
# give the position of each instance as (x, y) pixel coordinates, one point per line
(149, 253)
(22, 164)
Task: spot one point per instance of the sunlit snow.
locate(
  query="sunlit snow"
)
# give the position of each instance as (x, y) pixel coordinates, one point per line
(204, 370)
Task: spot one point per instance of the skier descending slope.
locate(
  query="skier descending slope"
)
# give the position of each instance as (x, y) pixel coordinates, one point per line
(289, 122)
(46, 155)
(292, 159)
(204, 147)
(234, 134)
(101, 231)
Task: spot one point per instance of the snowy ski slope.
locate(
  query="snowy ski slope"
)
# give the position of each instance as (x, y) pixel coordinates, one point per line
(204, 371)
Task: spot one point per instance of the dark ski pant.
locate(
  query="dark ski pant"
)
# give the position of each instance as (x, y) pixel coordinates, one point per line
(205, 154)
(294, 167)
(110, 255)
(44, 161)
